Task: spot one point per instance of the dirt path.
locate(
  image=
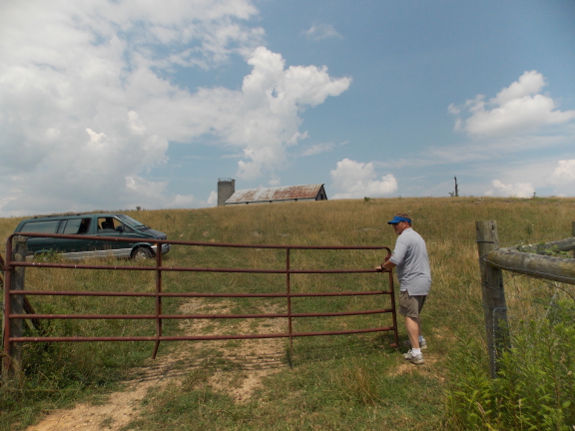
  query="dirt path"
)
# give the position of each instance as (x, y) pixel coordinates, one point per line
(255, 359)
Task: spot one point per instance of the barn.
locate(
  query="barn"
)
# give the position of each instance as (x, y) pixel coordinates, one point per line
(310, 192)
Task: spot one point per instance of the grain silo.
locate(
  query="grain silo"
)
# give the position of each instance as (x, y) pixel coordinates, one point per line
(226, 188)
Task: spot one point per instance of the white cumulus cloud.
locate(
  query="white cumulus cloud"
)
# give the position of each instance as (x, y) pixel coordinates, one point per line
(212, 199)
(562, 179)
(565, 171)
(262, 118)
(88, 105)
(519, 109)
(353, 180)
(518, 190)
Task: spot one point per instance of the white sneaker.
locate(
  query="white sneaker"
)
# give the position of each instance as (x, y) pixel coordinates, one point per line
(422, 344)
(414, 359)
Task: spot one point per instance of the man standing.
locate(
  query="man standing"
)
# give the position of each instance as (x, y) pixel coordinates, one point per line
(414, 275)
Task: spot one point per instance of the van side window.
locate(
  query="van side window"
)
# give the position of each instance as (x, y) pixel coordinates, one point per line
(85, 225)
(112, 224)
(121, 227)
(41, 226)
(77, 226)
(105, 224)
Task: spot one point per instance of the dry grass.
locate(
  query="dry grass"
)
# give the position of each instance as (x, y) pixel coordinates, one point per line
(336, 382)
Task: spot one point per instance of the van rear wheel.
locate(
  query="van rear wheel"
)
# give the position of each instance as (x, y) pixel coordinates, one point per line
(142, 253)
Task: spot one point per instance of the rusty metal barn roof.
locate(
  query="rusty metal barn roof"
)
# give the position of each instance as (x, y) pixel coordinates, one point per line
(288, 193)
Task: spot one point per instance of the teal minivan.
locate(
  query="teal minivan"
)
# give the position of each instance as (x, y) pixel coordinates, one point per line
(93, 225)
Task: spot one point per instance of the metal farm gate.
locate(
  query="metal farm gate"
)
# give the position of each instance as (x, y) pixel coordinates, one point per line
(17, 308)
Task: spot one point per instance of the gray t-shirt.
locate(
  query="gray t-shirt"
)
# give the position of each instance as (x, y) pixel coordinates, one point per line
(410, 256)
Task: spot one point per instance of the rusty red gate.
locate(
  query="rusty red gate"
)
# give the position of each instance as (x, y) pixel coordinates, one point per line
(14, 293)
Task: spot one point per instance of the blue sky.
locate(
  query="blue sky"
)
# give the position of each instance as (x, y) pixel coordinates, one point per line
(118, 104)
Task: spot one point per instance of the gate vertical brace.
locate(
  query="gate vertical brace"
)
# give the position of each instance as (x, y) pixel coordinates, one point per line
(2, 287)
(393, 310)
(288, 291)
(158, 298)
(14, 280)
(6, 321)
(494, 305)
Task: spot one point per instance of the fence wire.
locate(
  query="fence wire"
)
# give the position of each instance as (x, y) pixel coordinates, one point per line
(531, 299)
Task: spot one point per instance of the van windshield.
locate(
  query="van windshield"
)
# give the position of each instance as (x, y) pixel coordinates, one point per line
(132, 222)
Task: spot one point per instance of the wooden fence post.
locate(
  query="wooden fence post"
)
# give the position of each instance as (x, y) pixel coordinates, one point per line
(494, 307)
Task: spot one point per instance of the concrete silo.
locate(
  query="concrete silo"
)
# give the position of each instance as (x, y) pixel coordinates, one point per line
(226, 188)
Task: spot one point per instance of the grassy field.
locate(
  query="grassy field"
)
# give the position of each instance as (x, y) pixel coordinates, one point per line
(344, 382)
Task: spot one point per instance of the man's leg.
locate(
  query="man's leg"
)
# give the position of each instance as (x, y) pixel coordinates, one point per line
(410, 307)
(413, 327)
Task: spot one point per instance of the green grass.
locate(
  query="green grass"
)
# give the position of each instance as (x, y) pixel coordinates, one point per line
(342, 382)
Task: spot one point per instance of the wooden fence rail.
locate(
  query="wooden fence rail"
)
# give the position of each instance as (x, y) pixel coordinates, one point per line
(530, 260)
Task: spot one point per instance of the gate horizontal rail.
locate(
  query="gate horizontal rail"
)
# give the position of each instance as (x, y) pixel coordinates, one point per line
(192, 269)
(202, 337)
(195, 295)
(11, 293)
(195, 316)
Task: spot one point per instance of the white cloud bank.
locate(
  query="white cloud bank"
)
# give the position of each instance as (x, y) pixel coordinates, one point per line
(563, 178)
(517, 190)
(564, 172)
(87, 106)
(353, 180)
(518, 109)
(520, 118)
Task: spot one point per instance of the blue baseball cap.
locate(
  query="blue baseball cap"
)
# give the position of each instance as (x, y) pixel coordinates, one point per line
(398, 219)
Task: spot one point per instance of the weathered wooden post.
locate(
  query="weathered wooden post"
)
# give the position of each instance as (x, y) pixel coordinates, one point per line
(15, 306)
(494, 307)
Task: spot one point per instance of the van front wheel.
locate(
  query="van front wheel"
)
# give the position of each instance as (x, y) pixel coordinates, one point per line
(142, 253)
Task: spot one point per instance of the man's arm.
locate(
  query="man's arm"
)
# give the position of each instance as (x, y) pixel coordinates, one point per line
(388, 265)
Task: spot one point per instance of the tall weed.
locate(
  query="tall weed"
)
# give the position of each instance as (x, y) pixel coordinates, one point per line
(535, 387)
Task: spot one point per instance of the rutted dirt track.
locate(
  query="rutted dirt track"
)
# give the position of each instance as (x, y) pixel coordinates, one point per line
(255, 359)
